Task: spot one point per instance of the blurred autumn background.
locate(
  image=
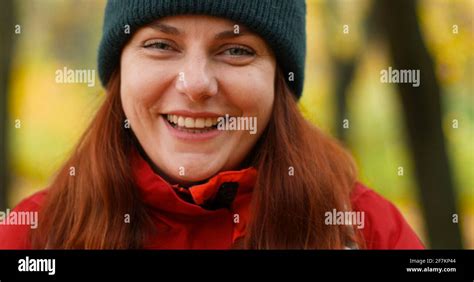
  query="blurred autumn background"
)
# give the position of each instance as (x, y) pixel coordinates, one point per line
(412, 145)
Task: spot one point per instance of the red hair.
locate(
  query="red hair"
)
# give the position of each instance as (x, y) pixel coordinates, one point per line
(287, 210)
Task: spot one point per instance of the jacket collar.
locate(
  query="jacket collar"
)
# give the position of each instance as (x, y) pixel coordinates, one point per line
(228, 189)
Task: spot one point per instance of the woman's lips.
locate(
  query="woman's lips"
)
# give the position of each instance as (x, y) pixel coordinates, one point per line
(191, 129)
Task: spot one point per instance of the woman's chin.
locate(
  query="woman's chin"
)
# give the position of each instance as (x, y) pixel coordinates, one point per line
(194, 180)
(188, 177)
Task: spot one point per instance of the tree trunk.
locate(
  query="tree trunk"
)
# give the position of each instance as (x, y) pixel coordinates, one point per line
(422, 117)
(7, 14)
(345, 70)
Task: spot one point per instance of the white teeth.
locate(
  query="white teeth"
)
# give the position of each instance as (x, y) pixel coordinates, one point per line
(181, 121)
(190, 122)
(199, 123)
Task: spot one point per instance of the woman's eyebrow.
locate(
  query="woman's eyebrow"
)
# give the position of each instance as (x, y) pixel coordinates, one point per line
(165, 28)
(168, 29)
(232, 33)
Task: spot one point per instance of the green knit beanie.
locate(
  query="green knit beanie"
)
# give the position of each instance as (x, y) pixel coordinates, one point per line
(281, 23)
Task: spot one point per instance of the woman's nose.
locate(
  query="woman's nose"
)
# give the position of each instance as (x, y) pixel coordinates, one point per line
(196, 80)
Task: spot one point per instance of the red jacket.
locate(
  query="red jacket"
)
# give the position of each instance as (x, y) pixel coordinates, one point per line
(214, 214)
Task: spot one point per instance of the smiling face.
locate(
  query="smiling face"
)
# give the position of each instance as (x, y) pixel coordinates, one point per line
(179, 75)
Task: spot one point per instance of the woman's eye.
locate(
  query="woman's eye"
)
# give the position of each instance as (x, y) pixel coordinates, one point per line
(159, 45)
(239, 51)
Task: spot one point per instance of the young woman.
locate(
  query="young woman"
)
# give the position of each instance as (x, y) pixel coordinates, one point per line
(164, 165)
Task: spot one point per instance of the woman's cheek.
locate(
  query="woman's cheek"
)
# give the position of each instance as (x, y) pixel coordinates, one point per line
(246, 87)
(255, 97)
(143, 88)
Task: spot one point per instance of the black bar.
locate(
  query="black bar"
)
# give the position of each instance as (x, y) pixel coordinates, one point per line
(255, 265)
